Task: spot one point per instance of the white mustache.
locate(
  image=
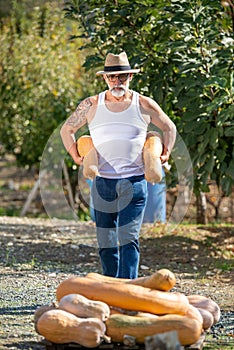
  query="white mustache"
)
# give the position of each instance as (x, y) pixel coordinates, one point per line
(118, 87)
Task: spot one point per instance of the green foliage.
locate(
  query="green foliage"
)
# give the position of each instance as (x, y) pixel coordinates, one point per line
(203, 92)
(185, 51)
(40, 80)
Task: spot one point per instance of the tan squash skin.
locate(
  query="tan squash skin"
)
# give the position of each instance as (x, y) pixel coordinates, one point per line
(61, 327)
(84, 145)
(80, 306)
(208, 304)
(193, 312)
(119, 311)
(86, 149)
(151, 154)
(126, 296)
(207, 317)
(203, 316)
(90, 162)
(162, 279)
(41, 310)
(189, 330)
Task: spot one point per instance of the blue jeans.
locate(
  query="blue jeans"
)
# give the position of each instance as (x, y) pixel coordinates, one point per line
(119, 206)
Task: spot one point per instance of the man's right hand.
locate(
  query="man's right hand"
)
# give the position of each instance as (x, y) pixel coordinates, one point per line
(75, 155)
(78, 160)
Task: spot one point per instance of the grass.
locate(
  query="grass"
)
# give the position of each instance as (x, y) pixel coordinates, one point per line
(9, 211)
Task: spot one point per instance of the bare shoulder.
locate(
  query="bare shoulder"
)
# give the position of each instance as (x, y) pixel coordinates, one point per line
(88, 102)
(148, 105)
(157, 116)
(92, 99)
(147, 102)
(89, 106)
(83, 113)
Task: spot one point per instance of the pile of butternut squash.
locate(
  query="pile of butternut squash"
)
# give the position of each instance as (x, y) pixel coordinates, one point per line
(97, 308)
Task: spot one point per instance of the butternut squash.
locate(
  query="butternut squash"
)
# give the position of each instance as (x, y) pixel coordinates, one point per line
(80, 306)
(207, 319)
(193, 312)
(119, 311)
(86, 149)
(162, 279)
(59, 326)
(126, 296)
(151, 155)
(189, 330)
(84, 145)
(208, 304)
(41, 310)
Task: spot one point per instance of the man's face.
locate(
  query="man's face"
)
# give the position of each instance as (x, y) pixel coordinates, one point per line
(118, 83)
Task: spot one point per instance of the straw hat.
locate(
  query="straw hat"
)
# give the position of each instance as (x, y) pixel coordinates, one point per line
(117, 64)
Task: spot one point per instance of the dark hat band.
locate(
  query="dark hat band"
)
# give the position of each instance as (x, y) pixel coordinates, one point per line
(116, 68)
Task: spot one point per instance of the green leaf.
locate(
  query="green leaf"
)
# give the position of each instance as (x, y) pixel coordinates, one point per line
(203, 144)
(221, 154)
(227, 186)
(214, 138)
(229, 132)
(218, 82)
(226, 113)
(210, 164)
(230, 169)
(200, 128)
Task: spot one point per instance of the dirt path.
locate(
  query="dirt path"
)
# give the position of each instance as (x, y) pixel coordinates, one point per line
(36, 254)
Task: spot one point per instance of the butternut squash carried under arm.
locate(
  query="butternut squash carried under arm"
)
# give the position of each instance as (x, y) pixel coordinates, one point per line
(84, 145)
(86, 149)
(151, 154)
(162, 279)
(189, 330)
(126, 296)
(82, 307)
(60, 327)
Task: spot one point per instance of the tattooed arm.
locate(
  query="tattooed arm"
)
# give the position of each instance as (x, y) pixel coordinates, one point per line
(72, 124)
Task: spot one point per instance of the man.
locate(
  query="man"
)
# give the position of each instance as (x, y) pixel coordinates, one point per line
(118, 120)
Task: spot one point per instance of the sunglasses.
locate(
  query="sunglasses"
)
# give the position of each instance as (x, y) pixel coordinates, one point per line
(121, 77)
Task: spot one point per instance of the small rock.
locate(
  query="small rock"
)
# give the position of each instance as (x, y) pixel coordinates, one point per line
(52, 274)
(209, 273)
(74, 246)
(144, 267)
(129, 340)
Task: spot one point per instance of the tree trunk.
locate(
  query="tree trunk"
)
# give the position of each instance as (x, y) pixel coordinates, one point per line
(201, 209)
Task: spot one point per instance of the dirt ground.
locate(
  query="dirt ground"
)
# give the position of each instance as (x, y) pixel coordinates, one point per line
(37, 254)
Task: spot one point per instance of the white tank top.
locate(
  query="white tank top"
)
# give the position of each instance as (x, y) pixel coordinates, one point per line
(119, 139)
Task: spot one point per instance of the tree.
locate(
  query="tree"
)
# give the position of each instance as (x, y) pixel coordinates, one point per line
(186, 60)
(40, 79)
(204, 92)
